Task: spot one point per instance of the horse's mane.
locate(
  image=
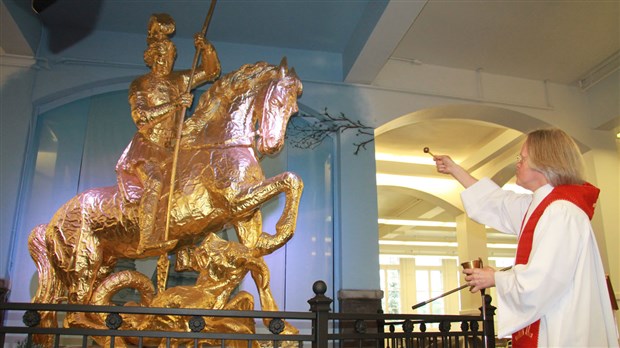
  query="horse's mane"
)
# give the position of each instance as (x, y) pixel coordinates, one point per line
(245, 81)
(247, 78)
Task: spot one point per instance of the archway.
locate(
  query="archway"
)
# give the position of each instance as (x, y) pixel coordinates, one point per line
(418, 207)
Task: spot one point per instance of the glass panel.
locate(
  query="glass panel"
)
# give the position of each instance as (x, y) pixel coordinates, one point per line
(382, 280)
(76, 147)
(422, 290)
(436, 282)
(428, 261)
(382, 285)
(393, 294)
(389, 260)
(437, 306)
(51, 179)
(109, 130)
(310, 253)
(421, 277)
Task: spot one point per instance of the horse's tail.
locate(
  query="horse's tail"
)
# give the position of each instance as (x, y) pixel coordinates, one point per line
(108, 288)
(51, 288)
(122, 280)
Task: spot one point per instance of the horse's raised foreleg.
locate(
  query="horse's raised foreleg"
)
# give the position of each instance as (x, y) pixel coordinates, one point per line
(289, 184)
(249, 230)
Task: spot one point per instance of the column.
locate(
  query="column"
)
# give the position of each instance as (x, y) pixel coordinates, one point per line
(472, 244)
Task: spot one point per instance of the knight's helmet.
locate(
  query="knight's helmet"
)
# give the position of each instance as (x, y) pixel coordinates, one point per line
(160, 26)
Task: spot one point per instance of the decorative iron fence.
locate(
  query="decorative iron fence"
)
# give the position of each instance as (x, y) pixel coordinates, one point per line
(319, 328)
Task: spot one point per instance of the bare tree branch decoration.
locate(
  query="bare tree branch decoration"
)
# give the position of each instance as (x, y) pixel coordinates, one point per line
(307, 131)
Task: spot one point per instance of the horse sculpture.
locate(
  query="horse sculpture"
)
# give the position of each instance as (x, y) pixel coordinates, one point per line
(220, 183)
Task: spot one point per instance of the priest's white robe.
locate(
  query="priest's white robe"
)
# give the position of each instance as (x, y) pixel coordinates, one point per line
(563, 284)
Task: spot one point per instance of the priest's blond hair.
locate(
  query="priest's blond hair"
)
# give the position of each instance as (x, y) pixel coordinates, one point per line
(555, 154)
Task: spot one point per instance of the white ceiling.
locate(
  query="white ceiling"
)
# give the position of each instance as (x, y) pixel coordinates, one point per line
(559, 41)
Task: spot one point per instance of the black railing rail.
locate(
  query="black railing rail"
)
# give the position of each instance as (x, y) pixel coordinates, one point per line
(324, 328)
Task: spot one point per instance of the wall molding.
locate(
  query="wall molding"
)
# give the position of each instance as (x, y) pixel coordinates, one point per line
(18, 61)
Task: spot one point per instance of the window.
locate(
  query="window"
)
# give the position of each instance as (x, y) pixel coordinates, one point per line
(429, 283)
(390, 284)
(408, 280)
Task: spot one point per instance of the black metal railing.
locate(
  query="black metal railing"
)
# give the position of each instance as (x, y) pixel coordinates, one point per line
(319, 327)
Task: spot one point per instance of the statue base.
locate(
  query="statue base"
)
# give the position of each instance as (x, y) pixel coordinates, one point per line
(359, 301)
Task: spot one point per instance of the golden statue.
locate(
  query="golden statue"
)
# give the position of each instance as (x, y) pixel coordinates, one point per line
(219, 182)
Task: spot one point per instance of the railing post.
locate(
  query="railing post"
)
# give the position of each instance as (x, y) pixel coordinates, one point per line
(381, 328)
(488, 325)
(4, 293)
(320, 305)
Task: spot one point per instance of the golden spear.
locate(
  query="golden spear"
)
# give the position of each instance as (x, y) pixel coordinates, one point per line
(181, 118)
(163, 263)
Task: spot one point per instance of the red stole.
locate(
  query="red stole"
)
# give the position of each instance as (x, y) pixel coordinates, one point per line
(584, 196)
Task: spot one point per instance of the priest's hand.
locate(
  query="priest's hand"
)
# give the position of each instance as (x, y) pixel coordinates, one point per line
(446, 165)
(479, 278)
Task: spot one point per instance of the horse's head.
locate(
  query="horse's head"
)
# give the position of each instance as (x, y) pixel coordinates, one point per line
(249, 106)
(277, 102)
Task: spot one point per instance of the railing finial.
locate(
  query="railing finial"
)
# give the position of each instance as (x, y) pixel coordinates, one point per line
(319, 287)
